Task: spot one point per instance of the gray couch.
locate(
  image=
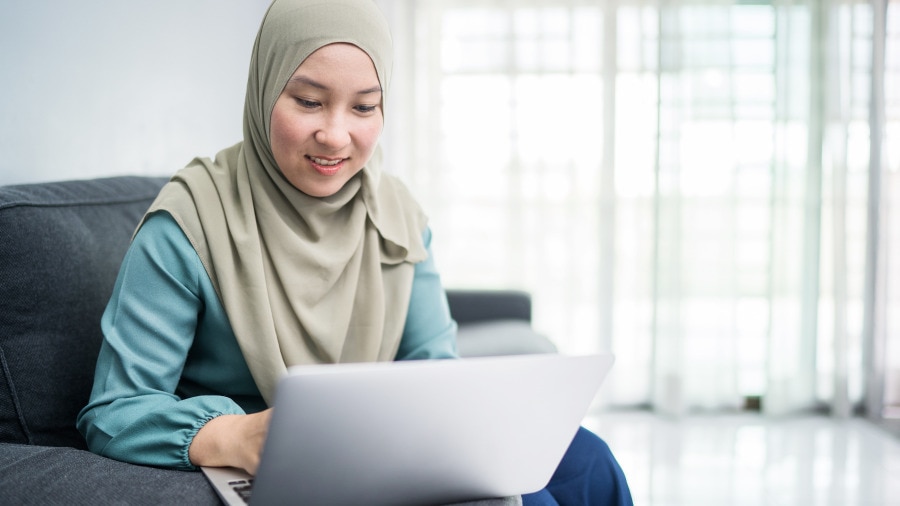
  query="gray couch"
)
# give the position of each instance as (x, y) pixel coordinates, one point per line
(60, 248)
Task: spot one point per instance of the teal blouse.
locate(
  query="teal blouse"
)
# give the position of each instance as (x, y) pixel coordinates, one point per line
(170, 362)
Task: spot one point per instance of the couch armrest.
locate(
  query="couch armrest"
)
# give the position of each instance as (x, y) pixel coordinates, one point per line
(501, 337)
(495, 322)
(474, 306)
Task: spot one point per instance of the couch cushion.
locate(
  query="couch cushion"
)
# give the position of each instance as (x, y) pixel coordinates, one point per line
(60, 251)
(51, 476)
(66, 476)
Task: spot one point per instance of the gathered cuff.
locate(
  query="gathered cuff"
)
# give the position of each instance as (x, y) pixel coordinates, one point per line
(189, 438)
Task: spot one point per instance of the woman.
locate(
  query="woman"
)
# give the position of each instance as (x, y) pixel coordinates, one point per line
(291, 247)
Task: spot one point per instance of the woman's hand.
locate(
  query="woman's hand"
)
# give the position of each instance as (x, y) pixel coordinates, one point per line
(231, 441)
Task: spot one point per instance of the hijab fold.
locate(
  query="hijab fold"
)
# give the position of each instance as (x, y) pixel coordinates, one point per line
(303, 279)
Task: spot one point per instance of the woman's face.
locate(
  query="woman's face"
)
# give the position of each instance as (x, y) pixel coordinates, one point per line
(327, 121)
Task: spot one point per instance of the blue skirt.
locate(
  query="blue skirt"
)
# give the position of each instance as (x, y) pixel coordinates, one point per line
(588, 475)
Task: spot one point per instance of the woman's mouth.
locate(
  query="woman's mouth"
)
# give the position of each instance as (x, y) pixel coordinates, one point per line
(326, 166)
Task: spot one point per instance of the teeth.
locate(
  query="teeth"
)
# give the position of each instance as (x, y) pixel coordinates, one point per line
(321, 161)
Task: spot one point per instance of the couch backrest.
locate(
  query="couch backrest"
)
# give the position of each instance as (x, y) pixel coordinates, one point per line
(61, 245)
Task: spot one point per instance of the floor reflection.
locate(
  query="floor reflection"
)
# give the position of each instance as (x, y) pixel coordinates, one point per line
(753, 460)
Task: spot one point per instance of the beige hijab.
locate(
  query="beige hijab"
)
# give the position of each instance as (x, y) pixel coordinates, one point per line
(303, 280)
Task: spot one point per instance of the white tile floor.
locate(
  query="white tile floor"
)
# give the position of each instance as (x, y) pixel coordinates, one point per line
(742, 460)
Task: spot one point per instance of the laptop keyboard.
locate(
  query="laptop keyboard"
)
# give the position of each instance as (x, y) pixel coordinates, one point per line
(242, 488)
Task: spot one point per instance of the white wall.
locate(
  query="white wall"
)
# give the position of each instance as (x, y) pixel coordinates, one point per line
(103, 87)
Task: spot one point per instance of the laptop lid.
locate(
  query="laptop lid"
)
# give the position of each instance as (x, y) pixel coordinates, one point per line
(424, 432)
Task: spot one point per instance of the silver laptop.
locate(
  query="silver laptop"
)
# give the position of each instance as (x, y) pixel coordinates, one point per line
(419, 432)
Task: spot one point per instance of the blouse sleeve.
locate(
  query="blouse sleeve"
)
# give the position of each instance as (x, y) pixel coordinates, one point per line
(134, 414)
(430, 332)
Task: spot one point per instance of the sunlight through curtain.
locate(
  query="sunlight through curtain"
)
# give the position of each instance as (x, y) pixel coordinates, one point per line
(685, 183)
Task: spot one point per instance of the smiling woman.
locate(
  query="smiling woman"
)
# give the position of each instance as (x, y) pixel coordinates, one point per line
(293, 247)
(327, 121)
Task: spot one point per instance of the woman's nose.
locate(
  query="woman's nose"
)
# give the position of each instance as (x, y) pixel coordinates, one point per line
(334, 132)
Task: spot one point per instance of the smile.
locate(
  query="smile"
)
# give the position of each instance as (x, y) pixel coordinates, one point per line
(326, 166)
(324, 161)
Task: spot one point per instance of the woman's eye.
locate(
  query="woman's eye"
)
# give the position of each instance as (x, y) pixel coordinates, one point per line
(309, 104)
(365, 108)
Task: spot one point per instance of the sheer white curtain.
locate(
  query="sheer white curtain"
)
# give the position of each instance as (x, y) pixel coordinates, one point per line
(685, 183)
(883, 324)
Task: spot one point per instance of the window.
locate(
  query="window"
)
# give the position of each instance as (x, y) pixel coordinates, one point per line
(685, 183)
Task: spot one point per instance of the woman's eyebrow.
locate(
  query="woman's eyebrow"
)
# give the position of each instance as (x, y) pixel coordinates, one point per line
(373, 89)
(315, 84)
